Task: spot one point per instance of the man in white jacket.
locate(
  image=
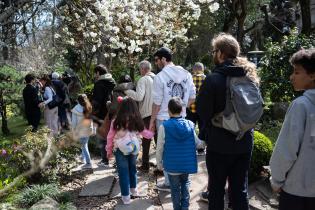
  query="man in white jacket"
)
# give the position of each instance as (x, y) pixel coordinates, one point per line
(143, 95)
(171, 81)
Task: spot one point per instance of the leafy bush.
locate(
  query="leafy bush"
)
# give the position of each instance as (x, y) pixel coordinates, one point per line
(276, 69)
(35, 193)
(88, 90)
(261, 155)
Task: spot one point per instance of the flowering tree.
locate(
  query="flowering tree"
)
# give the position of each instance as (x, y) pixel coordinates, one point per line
(127, 28)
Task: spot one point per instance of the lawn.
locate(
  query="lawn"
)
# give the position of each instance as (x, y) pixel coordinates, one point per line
(17, 126)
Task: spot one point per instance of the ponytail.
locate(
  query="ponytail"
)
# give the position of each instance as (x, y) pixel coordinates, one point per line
(87, 107)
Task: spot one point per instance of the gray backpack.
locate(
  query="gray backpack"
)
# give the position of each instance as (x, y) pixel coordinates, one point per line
(244, 106)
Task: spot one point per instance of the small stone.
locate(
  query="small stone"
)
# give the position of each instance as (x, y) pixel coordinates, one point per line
(45, 204)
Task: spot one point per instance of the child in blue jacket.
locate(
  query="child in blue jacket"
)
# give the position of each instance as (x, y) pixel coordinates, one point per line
(176, 153)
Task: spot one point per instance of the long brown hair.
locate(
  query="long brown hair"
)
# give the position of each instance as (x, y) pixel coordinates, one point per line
(87, 107)
(128, 116)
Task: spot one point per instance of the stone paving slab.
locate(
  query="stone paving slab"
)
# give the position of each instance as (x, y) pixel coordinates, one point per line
(198, 184)
(136, 204)
(142, 187)
(97, 185)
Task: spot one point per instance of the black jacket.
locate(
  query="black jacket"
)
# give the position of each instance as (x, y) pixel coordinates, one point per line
(31, 100)
(210, 101)
(101, 94)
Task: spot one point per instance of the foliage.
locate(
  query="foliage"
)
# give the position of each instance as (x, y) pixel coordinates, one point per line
(276, 69)
(67, 206)
(88, 90)
(10, 92)
(33, 194)
(261, 155)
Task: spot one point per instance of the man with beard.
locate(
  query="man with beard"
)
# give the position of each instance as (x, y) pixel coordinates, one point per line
(170, 82)
(226, 157)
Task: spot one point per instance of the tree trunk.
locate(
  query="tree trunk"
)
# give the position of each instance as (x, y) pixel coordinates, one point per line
(3, 110)
(240, 22)
(306, 16)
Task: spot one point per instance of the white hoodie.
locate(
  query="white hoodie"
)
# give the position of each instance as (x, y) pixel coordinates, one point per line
(170, 82)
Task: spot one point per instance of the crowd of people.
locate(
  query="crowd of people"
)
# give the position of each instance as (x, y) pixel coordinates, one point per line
(166, 107)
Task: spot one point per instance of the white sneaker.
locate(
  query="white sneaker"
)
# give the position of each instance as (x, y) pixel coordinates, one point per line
(126, 199)
(134, 192)
(163, 187)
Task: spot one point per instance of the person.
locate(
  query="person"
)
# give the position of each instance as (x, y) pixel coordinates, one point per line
(31, 102)
(126, 126)
(143, 95)
(292, 161)
(81, 125)
(50, 115)
(176, 152)
(198, 78)
(61, 91)
(225, 157)
(102, 91)
(171, 81)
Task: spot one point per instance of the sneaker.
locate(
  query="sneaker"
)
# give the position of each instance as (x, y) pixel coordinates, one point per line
(103, 164)
(126, 199)
(204, 196)
(87, 166)
(163, 187)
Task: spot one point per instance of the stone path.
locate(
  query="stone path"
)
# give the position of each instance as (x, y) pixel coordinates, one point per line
(104, 182)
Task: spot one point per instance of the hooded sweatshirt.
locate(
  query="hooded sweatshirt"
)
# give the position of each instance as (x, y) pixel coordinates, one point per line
(210, 101)
(176, 149)
(102, 91)
(292, 161)
(170, 82)
(80, 129)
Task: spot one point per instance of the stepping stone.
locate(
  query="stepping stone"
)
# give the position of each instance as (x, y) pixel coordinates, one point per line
(136, 204)
(142, 187)
(198, 184)
(97, 185)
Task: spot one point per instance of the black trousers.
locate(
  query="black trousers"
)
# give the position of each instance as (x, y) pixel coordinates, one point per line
(293, 202)
(232, 166)
(33, 119)
(146, 144)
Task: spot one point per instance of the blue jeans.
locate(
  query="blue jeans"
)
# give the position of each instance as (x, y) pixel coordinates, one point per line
(85, 149)
(180, 191)
(166, 180)
(127, 172)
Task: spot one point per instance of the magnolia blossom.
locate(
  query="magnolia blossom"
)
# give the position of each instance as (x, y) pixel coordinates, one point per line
(130, 26)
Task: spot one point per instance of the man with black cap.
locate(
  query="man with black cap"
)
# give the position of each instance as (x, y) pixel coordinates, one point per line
(171, 81)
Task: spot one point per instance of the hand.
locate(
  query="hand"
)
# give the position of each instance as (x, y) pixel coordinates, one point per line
(276, 189)
(42, 104)
(152, 125)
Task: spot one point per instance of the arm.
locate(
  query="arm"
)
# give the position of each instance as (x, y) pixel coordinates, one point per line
(34, 97)
(49, 94)
(192, 92)
(74, 121)
(155, 111)
(110, 139)
(137, 95)
(160, 147)
(157, 95)
(287, 146)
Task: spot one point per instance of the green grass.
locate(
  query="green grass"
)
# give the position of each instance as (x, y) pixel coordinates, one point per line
(17, 126)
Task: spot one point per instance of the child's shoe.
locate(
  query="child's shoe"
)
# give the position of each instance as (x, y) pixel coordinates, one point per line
(134, 192)
(126, 199)
(87, 166)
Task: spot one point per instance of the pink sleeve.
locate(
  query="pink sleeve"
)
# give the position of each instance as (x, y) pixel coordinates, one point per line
(147, 134)
(110, 138)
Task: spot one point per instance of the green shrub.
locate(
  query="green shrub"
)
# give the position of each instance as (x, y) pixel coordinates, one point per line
(261, 155)
(276, 69)
(67, 206)
(88, 90)
(35, 193)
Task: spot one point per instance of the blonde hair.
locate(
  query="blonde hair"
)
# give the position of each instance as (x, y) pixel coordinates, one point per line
(227, 45)
(249, 67)
(230, 49)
